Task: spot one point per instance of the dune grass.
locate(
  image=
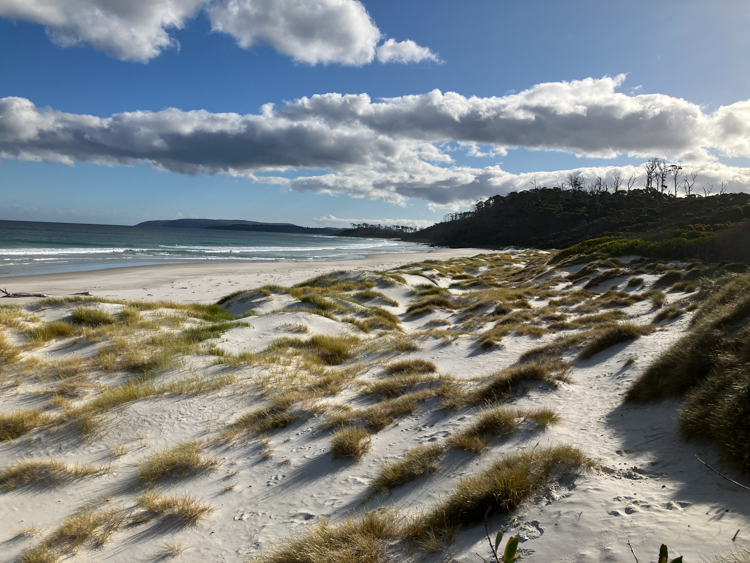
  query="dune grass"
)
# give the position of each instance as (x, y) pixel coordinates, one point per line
(43, 333)
(398, 385)
(417, 462)
(369, 295)
(361, 540)
(490, 422)
(352, 442)
(667, 314)
(415, 365)
(44, 473)
(184, 460)
(610, 336)
(498, 489)
(429, 304)
(8, 352)
(329, 350)
(180, 508)
(503, 385)
(17, 423)
(92, 528)
(91, 316)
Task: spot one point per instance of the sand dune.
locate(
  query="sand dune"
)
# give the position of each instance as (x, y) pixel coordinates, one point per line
(240, 407)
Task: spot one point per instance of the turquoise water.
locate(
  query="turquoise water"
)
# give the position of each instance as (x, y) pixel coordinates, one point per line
(40, 248)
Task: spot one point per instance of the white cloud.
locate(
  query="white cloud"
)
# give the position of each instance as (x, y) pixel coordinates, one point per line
(309, 31)
(339, 222)
(393, 149)
(130, 29)
(408, 51)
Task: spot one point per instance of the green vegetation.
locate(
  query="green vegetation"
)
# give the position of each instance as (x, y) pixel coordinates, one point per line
(91, 316)
(710, 365)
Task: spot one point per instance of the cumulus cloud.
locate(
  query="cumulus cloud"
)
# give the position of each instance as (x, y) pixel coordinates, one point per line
(408, 51)
(130, 30)
(393, 149)
(339, 222)
(309, 31)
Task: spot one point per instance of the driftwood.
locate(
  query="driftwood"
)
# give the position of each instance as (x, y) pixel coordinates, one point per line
(21, 294)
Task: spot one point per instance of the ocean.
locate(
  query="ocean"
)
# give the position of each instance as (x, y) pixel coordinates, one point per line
(42, 248)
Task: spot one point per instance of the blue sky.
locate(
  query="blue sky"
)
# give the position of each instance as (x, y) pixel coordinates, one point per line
(541, 89)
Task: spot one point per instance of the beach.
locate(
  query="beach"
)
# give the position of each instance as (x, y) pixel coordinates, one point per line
(224, 433)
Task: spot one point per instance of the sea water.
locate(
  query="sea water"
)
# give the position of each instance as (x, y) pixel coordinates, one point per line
(42, 248)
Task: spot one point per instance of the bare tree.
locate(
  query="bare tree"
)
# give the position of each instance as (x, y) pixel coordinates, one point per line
(534, 184)
(650, 166)
(707, 191)
(631, 182)
(661, 174)
(616, 180)
(723, 187)
(688, 183)
(575, 182)
(674, 170)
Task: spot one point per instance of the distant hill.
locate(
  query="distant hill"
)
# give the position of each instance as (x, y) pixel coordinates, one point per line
(643, 222)
(202, 223)
(277, 228)
(239, 225)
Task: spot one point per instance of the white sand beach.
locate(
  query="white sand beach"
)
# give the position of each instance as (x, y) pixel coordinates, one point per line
(260, 403)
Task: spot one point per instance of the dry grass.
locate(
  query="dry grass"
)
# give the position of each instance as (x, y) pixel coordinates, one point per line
(91, 316)
(428, 305)
(8, 352)
(658, 298)
(415, 365)
(491, 422)
(17, 423)
(500, 488)
(611, 336)
(361, 540)
(418, 461)
(88, 527)
(502, 385)
(667, 314)
(45, 473)
(543, 417)
(183, 508)
(398, 385)
(45, 332)
(329, 350)
(169, 550)
(369, 295)
(352, 442)
(184, 460)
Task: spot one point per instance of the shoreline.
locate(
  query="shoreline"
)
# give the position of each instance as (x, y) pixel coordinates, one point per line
(203, 282)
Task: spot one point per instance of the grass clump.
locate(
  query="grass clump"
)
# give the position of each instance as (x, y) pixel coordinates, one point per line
(19, 422)
(491, 422)
(418, 461)
(91, 316)
(635, 281)
(88, 527)
(658, 298)
(45, 332)
(369, 295)
(361, 540)
(500, 488)
(611, 336)
(44, 473)
(352, 442)
(329, 350)
(8, 352)
(415, 365)
(428, 305)
(184, 460)
(397, 385)
(502, 385)
(183, 508)
(667, 314)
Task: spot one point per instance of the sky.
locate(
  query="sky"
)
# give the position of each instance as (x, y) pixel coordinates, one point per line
(326, 112)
